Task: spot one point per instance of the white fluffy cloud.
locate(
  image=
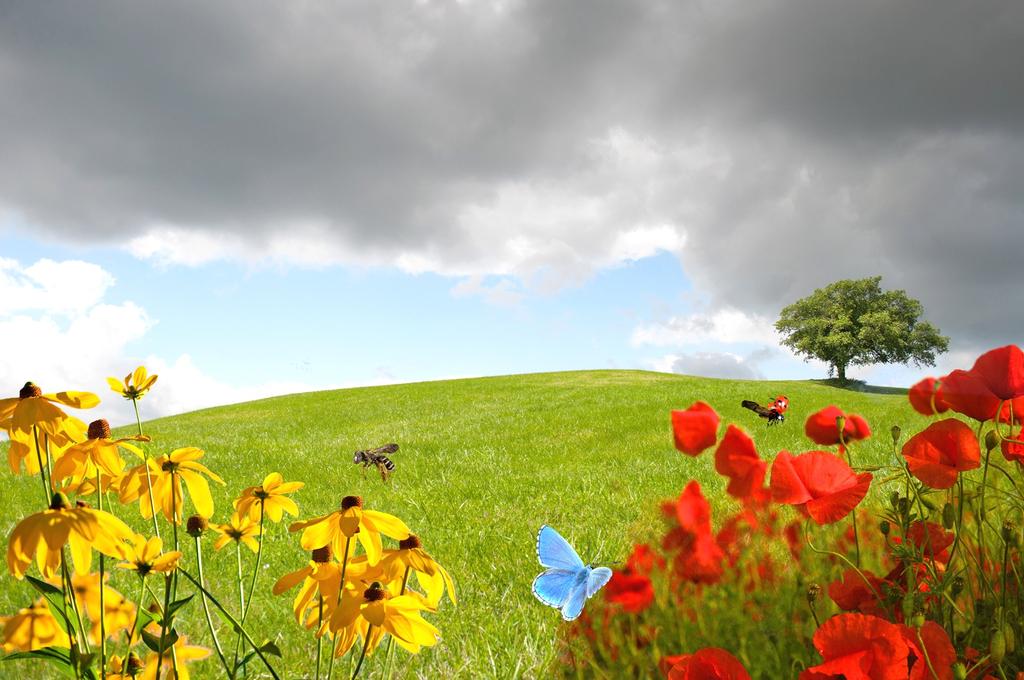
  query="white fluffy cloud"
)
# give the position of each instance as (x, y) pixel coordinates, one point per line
(58, 333)
(722, 326)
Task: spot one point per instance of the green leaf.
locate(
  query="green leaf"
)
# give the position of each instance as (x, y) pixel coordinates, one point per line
(153, 641)
(54, 598)
(55, 655)
(269, 647)
(176, 605)
(144, 619)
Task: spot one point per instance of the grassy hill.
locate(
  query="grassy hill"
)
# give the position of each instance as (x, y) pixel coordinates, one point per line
(483, 463)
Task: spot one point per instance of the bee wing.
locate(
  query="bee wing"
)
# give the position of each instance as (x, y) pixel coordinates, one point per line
(387, 448)
(756, 408)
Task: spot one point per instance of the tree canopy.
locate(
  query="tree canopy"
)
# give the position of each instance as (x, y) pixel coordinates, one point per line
(854, 323)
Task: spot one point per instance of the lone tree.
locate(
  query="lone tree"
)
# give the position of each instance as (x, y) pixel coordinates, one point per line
(855, 323)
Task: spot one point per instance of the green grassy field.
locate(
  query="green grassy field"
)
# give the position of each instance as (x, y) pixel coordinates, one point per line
(483, 463)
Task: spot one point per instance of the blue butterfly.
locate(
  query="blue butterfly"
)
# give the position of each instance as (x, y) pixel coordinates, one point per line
(568, 582)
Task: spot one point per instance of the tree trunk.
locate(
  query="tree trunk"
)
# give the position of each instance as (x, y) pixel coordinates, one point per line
(841, 373)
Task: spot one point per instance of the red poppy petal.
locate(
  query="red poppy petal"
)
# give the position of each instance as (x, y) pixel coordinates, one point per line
(737, 459)
(821, 427)
(941, 451)
(711, 663)
(967, 393)
(1002, 370)
(924, 398)
(695, 429)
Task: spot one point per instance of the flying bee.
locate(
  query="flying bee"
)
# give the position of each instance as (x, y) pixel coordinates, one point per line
(377, 458)
(774, 412)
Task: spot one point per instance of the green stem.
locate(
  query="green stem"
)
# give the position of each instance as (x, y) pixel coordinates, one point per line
(163, 624)
(391, 639)
(149, 481)
(138, 611)
(206, 609)
(47, 496)
(981, 501)
(366, 643)
(103, 611)
(341, 590)
(231, 619)
(319, 638)
(252, 583)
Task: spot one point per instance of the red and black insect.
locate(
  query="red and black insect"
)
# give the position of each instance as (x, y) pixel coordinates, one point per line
(774, 412)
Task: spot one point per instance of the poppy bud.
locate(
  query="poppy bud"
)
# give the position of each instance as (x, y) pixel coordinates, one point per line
(908, 605)
(959, 671)
(957, 585)
(991, 440)
(917, 621)
(896, 432)
(1008, 534)
(997, 647)
(894, 499)
(196, 525)
(840, 425)
(948, 516)
(884, 527)
(813, 591)
(930, 504)
(1011, 638)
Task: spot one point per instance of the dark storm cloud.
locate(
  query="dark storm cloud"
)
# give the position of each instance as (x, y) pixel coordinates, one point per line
(792, 142)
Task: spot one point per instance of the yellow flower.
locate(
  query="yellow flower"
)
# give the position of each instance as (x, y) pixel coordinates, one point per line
(43, 535)
(22, 449)
(400, 616)
(134, 385)
(33, 408)
(32, 628)
(143, 556)
(322, 576)
(272, 494)
(119, 612)
(99, 451)
(167, 473)
(239, 530)
(183, 652)
(433, 578)
(351, 520)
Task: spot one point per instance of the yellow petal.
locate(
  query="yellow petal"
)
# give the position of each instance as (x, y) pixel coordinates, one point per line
(75, 399)
(116, 385)
(139, 376)
(389, 525)
(199, 491)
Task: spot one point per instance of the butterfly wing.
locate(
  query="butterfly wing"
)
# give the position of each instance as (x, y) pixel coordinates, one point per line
(554, 552)
(596, 579)
(573, 606)
(553, 586)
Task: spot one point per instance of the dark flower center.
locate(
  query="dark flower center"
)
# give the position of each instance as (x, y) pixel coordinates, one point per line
(60, 502)
(99, 429)
(322, 555)
(169, 466)
(374, 593)
(196, 525)
(351, 502)
(260, 493)
(410, 543)
(30, 390)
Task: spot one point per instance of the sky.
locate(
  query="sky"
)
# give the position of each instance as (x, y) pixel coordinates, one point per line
(256, 198)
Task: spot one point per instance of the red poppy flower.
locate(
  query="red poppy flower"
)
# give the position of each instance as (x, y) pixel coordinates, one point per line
(643, 560)
(819, 484)
(633, 591)
(699, 557)
(931, 539)
(941, 451)
(925, 399)
(821, 427)
(667, 662)
(1014, 449)
(861, 647)
(937, 647)
(710, 663)
(695, 429)
(997, 375)
(852, 594)
(737, 459)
